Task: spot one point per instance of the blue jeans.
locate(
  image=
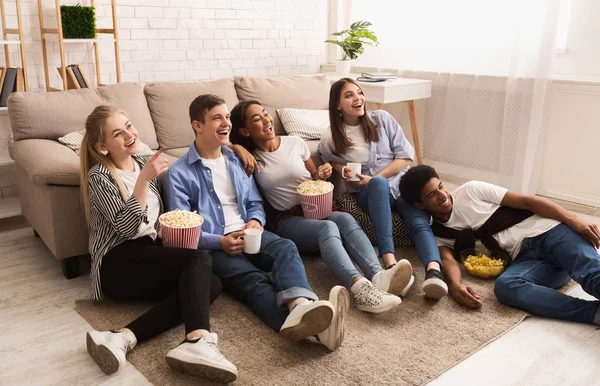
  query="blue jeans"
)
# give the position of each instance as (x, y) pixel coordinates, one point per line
(547, 262)
(377, 200)
(339, 238)
(244, 276)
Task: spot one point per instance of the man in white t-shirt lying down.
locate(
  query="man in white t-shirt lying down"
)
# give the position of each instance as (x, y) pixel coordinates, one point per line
(548, 245)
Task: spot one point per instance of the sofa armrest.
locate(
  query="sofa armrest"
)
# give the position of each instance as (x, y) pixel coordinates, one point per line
(46, 162)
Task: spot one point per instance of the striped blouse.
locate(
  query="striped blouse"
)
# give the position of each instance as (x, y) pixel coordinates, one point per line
(112, 220)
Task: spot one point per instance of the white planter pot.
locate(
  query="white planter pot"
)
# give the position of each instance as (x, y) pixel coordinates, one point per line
(343, 66)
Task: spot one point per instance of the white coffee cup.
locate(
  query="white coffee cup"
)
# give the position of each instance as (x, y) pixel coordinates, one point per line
(252, 238)
(355, 168)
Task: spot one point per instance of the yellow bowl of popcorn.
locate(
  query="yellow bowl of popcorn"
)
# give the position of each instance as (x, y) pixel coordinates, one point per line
(486, 265)
(316, 199)
(181, 229)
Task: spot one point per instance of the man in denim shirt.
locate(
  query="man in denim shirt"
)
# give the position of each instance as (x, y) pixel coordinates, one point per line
(210, 179)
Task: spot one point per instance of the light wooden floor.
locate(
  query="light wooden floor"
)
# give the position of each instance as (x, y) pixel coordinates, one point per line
(42, 340)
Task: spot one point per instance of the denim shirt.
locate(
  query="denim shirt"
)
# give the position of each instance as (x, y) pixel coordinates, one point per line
(188, 185)
(392, 145)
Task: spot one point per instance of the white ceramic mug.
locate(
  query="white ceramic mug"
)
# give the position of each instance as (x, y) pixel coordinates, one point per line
(252, 238)
(355, 168)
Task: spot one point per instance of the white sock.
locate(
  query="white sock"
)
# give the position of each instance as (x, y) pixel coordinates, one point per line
(355, 287)
(131, 339)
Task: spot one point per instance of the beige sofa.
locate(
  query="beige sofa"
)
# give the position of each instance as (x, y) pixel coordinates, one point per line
(48, 172)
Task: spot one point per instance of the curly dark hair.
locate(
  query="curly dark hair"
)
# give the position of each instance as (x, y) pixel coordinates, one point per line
(413, 181)
(238, 121)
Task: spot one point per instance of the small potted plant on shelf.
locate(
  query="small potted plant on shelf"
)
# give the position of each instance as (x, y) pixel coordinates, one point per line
(78, 22)
(353, 44)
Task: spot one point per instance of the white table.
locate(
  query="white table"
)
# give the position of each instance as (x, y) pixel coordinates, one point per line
(392, 91)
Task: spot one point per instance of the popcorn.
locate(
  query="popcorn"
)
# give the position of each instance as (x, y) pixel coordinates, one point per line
(484, 266)
(315, 187)
(181, 219)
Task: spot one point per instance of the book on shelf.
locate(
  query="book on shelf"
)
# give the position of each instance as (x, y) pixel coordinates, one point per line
(72, 83)
(378, 75)
(2, 75)
(20, 82)
(79, 76)
(371, 80)
(8, 86)
(85, 79)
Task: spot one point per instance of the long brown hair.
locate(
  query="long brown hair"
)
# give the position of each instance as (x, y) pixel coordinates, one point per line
(338, 130)
(90, 155)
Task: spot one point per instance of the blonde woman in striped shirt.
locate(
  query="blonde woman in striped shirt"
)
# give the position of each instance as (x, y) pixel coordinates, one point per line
(121, 197)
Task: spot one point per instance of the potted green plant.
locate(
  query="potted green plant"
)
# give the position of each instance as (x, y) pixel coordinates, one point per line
(353, 43)
(78, 22)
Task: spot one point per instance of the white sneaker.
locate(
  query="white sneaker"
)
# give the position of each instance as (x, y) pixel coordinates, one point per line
(333, 336)
(369, 298)
(434, 285)
(202, 357)
(395, 279)
(108, 349)
(307, 319)
(410, 283)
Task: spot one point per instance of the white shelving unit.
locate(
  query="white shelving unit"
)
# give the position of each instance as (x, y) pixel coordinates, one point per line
(56, 34)
(10, 207)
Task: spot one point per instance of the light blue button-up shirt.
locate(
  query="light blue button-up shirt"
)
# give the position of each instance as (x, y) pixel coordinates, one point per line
(392, 145)
(188, 185)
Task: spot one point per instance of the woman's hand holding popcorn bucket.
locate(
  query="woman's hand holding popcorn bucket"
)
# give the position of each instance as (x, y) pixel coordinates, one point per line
(316, 199)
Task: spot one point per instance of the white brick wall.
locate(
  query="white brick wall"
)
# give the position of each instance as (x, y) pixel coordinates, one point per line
(187, 39)
(164, 40)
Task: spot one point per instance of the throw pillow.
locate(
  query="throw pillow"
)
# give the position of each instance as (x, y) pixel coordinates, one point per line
(306, 124)
(73, 141)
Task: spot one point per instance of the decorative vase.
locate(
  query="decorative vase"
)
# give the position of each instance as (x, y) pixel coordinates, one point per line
(343, 66)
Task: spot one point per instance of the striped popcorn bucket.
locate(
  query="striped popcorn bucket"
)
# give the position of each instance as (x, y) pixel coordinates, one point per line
(181, 237)
(317, 206)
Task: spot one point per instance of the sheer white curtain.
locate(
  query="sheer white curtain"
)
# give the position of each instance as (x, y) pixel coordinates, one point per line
(490, 62)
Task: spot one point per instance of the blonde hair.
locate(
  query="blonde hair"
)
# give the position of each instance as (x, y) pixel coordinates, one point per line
(90, 155)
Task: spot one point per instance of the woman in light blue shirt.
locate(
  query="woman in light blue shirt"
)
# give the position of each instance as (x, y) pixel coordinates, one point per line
(376, 141)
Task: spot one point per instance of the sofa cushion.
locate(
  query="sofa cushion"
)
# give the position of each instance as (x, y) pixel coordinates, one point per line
(306, 124)
(46, 161)
(276, 93)
(169, 104)
(347, 203)
(50, 115)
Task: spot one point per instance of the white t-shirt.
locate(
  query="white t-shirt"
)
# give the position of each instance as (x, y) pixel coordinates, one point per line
(476, 201)
(282, 171)
(153, 202)
(226, 193)
(360, 150)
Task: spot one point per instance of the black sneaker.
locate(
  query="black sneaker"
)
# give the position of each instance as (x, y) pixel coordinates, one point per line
(434, 285)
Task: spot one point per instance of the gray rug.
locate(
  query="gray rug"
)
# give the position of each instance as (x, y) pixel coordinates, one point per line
(408, 346)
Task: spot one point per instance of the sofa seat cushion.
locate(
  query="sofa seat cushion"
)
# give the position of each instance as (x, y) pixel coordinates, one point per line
(46, 161)
(50, 115)
(276, 93)
(169, 104)
(347, 203)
